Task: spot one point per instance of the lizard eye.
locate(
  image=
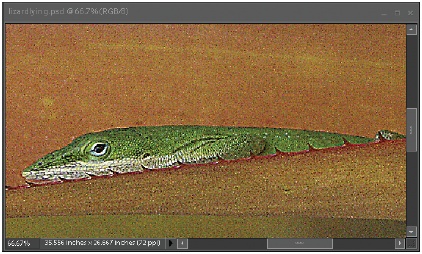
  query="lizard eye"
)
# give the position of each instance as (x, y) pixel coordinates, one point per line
(99, 149)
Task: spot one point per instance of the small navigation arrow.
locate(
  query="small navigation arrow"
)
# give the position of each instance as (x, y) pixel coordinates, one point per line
(411, 231)
(170, 242)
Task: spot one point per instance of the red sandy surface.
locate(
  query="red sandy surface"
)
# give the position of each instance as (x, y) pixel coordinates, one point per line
(351, 182)
(63, 81)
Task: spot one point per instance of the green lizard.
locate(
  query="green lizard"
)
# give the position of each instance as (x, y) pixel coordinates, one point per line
(134, 149)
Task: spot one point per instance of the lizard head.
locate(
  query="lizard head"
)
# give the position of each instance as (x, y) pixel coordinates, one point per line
(90, 154)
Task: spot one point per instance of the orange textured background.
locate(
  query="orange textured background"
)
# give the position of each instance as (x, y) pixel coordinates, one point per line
(66, 80)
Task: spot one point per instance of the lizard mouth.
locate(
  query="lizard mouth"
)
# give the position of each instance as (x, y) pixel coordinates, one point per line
(81, 170)
(54, 175)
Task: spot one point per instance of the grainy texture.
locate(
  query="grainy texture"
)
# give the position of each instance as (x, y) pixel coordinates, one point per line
(350, 183)
(63, 81)
(198, 226)
(358, 182)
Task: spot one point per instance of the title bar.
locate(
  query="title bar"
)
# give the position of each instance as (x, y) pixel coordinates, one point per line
(211, 12)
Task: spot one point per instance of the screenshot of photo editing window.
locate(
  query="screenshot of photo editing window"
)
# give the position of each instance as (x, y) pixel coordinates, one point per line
(211, 127)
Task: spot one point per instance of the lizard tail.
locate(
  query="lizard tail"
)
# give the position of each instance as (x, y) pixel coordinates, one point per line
(388, 135)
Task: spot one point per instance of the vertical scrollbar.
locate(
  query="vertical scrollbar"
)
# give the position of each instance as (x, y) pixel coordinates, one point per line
(412, 128)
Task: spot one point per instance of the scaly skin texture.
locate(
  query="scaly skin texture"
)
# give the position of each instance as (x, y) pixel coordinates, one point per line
(135, 149)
